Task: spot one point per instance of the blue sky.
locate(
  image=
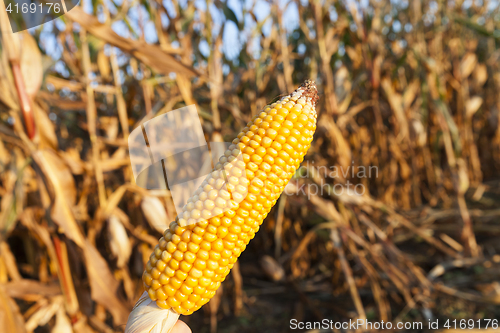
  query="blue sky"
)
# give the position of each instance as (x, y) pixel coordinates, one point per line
(233, 39)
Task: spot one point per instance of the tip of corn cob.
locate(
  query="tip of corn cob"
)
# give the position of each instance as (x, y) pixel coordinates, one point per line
(309, 91)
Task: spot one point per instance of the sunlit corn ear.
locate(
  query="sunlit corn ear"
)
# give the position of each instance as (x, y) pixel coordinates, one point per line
(200, 247)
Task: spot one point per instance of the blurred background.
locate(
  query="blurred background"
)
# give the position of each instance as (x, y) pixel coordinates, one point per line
(409, 93)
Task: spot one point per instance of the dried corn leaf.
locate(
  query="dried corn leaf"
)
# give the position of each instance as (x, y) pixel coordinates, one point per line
(103, 64)
(410, 94)
(59, 257)
(468, 64)
(28, 288)
(472, 106)
(103, 285)
(119, 243)
(272, 268)
(10, 261)
(31, 64)
(45, 127)
(4, 157)
(463, 176)
(8, 214)
(44, 313)
(342, 148)
(155, 213)
(480, 74)
(11, 43)
(62, 183)
(11, 320)
(63, 324)
(149, 54)
(396, 101)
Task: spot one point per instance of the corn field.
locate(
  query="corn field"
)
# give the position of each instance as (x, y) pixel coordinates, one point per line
(393, 215)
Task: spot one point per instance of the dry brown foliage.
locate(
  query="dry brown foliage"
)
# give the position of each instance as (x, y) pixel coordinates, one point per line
(409, 92)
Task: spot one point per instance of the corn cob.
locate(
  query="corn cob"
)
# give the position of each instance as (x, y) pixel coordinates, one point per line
(201, 246)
